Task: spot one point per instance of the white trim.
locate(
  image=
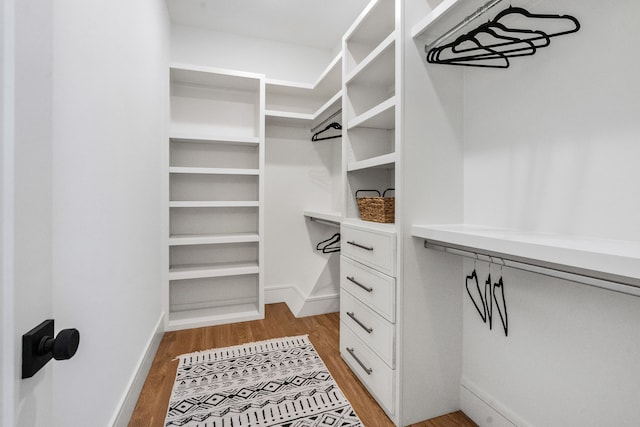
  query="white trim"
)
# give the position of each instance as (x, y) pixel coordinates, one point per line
(130, 397)
(8, 364)
(485, 410)
(300, 304)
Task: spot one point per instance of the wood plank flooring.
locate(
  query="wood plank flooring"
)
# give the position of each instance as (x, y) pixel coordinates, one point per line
(323, 332)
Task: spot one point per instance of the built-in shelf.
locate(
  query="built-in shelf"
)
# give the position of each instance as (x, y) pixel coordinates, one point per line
(212, 239)
(378, 66)
(214, 204)
(185, 272)
(612, 260)
(382, 116)
(213, 315)
(177, 136)
(213, 171)
(287, 118)
(333, 217)
(386, 161)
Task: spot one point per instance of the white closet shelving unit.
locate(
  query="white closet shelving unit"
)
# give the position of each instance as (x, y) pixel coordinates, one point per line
(369, 277)
(216, 191)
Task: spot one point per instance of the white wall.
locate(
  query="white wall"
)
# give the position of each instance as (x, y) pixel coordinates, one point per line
(277, 60)
(300, 175)
(551, 144)
(110, 104)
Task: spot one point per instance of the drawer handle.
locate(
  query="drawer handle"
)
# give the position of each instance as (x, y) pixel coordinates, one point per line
(367, 370)
(362, 325)
(358, 245)
(355, 282)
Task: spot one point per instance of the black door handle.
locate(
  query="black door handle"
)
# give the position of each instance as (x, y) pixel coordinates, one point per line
(39, 346)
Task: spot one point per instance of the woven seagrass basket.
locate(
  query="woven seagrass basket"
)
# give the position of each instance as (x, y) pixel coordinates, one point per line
(377, 209)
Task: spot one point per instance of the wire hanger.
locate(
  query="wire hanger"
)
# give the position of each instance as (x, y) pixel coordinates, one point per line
(329, 245)
(474, 277)
(333, 125)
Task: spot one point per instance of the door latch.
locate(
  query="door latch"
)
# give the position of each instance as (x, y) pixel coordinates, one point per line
(39, 346)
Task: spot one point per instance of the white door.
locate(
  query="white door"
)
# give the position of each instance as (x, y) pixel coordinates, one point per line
(26, 191)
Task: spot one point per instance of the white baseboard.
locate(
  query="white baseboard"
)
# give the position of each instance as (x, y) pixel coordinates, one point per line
(302, 305)
(484, 410)
(130, 397)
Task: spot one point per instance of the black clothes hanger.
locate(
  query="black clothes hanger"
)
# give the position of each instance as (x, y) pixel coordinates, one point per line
(487, 299)
(334, 125)
(492, 43)
(483, 313)
(502, 312)
(329, 245)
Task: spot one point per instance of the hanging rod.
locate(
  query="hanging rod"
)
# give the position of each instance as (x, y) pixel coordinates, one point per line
(615, 286)
(466, 21)
(324, 221)
(319, 125)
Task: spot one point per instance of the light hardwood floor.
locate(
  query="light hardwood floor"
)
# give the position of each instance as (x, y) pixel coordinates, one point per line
(323, 332)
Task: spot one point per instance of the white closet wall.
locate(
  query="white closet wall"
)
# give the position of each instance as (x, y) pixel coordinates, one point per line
(548, 145)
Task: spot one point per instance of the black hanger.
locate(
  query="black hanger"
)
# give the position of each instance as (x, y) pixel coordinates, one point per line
(509, 38)
(434, 56)
(487, 299)
(483, 313)
(521, 11)
(334, 125)
(329, 245)
(502, 312)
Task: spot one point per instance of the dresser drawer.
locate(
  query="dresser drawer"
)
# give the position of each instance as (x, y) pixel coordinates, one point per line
(374, 248)
(372, 329)
(375, 289)
(372, 371)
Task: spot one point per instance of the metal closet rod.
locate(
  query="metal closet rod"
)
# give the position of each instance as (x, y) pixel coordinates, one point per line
(546, 271)
(319, 125)
(324, 221)
(466, 21)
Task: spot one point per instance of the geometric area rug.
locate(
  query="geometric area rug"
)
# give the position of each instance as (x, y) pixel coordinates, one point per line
(281, 382)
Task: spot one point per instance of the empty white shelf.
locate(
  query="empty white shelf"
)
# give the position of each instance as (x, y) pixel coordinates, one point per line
(214, 171)
(386, 161)
(184, 272)
(382, 116)
(183, 136)
(614, 260)
(212, 316)
(213, 204)
(382, 55)
(212, 239)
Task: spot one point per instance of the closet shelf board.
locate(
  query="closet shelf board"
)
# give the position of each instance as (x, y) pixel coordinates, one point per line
(377, 17)
(377, 74)
(386, 161)
(213, 316)
(382, 116)
(185, 272)
(214, 77)
(324, 215)
(586, 255)
(214, 171)
(330, 107)
(177, 136)
(213, 204)
(285, 118)
(212, 239)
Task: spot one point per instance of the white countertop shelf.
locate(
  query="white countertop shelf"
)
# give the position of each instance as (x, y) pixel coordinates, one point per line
(333, 217)
(212, 239)
(615, 260)
(370, 225)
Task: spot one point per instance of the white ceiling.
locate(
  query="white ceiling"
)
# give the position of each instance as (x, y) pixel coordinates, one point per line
(315, 23)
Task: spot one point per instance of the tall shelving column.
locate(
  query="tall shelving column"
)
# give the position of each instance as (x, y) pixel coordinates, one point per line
(370, 261)
(216, 192)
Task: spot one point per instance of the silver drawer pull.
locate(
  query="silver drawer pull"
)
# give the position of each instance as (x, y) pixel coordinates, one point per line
(362, 325)
(355, 282)
(358, 245)
(367, 370)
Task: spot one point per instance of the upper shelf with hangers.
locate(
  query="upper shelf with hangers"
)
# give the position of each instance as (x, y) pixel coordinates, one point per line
(488, 36)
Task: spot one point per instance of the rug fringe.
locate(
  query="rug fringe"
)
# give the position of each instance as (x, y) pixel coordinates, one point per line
(241, 349)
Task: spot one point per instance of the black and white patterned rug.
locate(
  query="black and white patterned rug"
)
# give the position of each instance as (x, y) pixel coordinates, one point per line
(280, 382)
